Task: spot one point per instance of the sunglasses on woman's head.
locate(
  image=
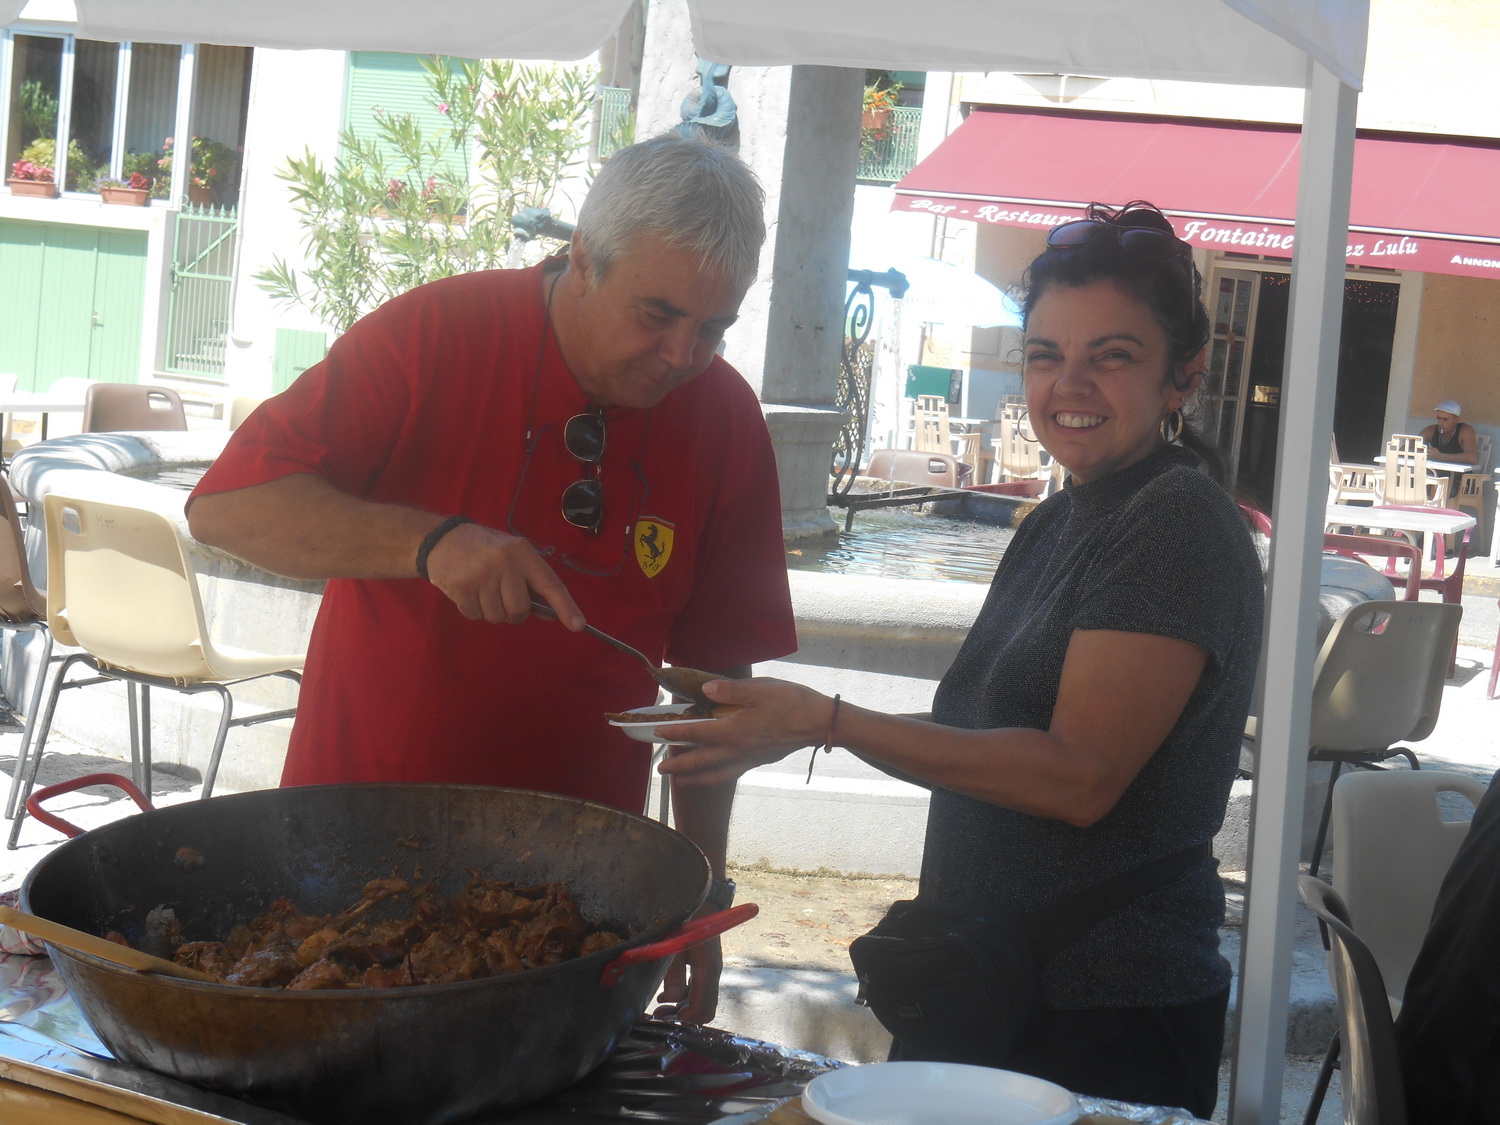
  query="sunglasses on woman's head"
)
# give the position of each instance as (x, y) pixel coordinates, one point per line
(1149, 242)
(1138, 240)
(583, 500)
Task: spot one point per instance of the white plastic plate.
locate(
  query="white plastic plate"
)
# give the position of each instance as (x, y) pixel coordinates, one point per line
(645, 731)
(919, 1093)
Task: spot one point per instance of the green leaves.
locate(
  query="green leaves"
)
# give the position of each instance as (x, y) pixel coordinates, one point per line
(421, 205)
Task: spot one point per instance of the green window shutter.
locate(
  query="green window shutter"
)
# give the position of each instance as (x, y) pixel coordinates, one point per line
(398, 85)
(296, 351)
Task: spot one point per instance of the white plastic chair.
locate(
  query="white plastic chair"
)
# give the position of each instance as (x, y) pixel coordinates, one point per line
(1391, 849)
(1020, 454)
(1471, 486)
(1406, 479)
(1350, 480)
(240, 408)
(121, 587)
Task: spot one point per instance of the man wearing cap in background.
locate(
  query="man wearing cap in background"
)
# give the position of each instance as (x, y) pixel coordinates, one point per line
(1449, 439)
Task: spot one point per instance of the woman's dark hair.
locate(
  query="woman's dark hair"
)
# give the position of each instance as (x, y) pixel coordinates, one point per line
(1159, 275)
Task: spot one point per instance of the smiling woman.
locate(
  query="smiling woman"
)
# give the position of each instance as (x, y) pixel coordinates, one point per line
(1087, 734)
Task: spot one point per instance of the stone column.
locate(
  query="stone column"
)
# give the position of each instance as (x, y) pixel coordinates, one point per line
(799, 130)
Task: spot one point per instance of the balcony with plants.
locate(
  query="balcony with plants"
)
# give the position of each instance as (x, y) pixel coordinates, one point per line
(888, 131)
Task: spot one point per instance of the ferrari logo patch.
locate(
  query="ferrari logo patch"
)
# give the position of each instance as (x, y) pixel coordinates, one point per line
(653, 545)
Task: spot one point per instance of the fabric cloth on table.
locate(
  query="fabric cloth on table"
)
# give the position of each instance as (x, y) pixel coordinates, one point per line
(1345, 583)
(428, 401)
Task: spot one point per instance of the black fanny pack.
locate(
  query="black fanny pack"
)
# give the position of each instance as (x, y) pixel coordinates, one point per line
(952, 987)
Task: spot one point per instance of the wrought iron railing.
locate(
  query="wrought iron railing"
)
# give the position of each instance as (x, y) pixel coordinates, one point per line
(886, 154)
(854, 376)
(616, 120)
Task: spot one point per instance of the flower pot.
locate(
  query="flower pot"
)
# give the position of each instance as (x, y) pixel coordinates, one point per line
(42, 189)
(878, 120)
(203, 196)
(125, 196)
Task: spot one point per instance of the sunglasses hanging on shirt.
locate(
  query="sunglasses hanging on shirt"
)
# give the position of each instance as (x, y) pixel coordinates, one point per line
(583, 500)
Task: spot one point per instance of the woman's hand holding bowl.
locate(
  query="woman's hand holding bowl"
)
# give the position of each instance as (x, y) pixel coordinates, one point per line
(775, 719)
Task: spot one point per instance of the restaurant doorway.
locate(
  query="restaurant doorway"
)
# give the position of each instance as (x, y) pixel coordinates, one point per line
(1243, 379)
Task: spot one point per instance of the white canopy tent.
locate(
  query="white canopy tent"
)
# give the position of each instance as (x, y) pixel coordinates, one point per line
(1317, 45)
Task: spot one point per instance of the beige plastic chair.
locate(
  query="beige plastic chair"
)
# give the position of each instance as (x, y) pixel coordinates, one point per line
(240, 408)
(1391, 849)
(1378, 681)
(1021, 455)
(23, 608)
(1350, 481)
(121, 587)
(115, 407)
(1470, 491)
(1406, 479)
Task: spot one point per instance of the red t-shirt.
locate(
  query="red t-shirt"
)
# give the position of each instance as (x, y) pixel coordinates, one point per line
(426, 402)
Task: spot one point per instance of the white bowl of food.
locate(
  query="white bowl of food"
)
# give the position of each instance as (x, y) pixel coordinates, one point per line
(642, 723)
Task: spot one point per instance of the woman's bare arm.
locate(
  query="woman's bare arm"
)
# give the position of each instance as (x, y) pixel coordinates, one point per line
(1118, 699)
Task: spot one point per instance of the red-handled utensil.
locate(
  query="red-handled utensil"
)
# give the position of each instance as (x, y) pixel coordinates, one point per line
(689, 935)
(52, 820)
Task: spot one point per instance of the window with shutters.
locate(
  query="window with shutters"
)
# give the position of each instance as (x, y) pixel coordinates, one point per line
(397, 85)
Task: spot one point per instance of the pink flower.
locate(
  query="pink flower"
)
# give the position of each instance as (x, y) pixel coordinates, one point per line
(442, 107)
(394, 189)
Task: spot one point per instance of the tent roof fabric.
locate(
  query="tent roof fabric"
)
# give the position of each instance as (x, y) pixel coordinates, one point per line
(1253, 42)
(1416, 200)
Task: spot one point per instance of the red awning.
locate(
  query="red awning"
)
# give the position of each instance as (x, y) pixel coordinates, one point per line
(1419, 203)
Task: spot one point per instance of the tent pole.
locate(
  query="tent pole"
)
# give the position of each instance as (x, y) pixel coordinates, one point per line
(1308, 384)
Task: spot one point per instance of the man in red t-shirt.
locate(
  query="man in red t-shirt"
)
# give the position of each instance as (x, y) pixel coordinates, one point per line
(563, 433)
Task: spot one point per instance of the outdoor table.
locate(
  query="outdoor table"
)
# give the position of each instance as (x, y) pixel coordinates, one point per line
(1418, 521)
(1441, 466)
(40, 402)
(669, 1073)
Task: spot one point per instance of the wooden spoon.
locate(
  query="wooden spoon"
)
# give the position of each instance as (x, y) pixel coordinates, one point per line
(58, 934)
(686, 682)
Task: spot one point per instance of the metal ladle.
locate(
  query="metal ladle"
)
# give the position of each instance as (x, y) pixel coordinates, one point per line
(686, 682)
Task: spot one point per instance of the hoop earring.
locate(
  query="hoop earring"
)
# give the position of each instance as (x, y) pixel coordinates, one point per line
(1171, 426)
(1021, 426)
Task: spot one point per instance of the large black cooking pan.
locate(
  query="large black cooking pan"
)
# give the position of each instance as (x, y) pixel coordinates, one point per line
(419, 1055)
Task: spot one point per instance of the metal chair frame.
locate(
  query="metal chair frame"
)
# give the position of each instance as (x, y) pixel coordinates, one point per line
(1373, 1092)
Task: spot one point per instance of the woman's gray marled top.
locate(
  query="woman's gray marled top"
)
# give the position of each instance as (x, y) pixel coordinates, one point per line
(1154, 548)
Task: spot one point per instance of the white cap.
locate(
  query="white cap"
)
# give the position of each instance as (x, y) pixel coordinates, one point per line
(1448, 406)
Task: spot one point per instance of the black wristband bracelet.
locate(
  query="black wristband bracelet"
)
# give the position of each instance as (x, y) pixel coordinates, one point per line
(431, 541)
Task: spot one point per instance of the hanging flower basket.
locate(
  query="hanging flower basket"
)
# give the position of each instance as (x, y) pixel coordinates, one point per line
(42, 189)
(124, 196)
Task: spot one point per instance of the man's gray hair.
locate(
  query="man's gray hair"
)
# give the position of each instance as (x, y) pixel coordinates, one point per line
(693, 194)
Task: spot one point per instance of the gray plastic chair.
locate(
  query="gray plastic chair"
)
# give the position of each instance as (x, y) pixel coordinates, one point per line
(1378, 681)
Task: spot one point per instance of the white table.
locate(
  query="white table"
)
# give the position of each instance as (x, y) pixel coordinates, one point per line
(1441, 466)
(41, 402)
(1422, 521)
